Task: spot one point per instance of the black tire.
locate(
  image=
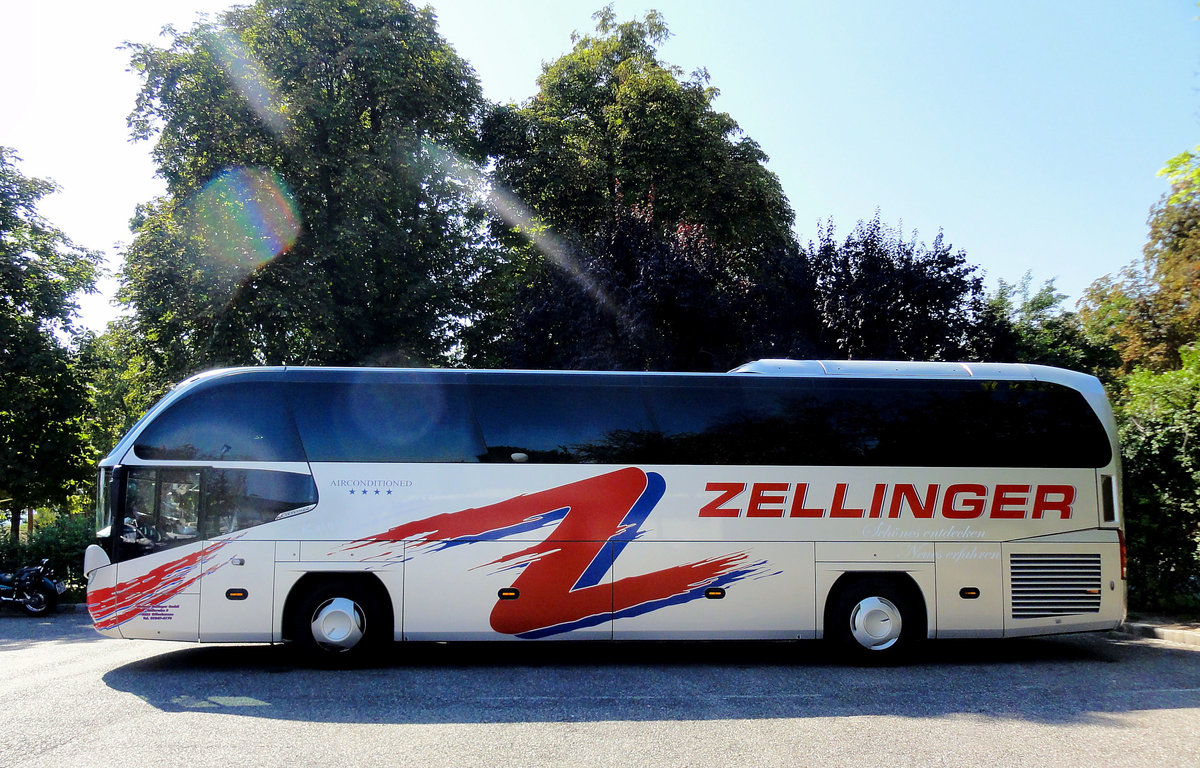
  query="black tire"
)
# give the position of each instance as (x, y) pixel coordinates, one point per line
(38, 602)
(339, 623)
(876, 620)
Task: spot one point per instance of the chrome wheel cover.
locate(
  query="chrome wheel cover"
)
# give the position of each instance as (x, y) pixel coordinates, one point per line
(875, 623)
(338, 624)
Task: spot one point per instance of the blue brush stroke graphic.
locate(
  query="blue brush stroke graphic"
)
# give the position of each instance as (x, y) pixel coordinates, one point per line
(525, 526)
(558, 629)
(696, 593)
(627, 531)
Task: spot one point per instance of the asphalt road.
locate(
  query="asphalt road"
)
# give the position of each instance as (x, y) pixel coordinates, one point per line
(72, 698)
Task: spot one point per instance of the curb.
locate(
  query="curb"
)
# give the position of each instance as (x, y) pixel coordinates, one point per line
(1184, 634)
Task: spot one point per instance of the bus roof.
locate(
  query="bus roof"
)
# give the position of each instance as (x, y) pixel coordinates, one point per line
(879, 369)
(868, 369)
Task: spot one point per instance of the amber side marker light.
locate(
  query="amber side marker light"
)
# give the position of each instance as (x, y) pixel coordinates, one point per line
(236, 594)
(969, 593)
(509, 593)
(714, 593)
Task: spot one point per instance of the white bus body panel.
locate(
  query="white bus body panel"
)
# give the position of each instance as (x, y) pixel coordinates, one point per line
(248, 568)
(776, 602)
(451, 595)
(1044, 579)
(977, 568)
(101, 600)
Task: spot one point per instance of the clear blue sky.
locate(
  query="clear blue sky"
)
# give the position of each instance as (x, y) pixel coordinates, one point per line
(1030, 133)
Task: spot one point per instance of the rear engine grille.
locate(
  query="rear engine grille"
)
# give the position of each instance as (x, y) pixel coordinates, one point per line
(1054, 585)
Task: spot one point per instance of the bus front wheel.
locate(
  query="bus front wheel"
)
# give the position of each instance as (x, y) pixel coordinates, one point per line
(875, 620)
(338, 623)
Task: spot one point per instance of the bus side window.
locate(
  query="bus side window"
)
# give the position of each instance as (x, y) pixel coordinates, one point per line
(560, 420)
(704, 421)
(237, 499)
(395, 421)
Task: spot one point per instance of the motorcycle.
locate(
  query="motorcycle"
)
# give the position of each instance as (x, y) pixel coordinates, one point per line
(33, 587)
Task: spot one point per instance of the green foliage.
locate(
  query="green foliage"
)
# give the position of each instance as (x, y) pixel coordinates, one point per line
(883, 298)
(1183, 171)
(339, 125)
(1152, 309)
(612, 125)
(640, 228)
(62, 542)
(1148, 318)
(1036, 329)
(1160, 441)
(123, 383)
(43, 455)
(630, 298)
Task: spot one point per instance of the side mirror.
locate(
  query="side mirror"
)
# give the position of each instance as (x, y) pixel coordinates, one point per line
(94, 557)
(116, 510)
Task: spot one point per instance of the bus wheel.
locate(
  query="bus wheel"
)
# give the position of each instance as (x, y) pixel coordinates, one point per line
(338, 623)
(875, 620)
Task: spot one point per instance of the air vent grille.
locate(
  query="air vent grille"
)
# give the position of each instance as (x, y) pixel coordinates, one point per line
(1054, 584)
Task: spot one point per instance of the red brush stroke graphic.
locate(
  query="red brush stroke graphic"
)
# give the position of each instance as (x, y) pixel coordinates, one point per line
(112, 606)
(601, 515)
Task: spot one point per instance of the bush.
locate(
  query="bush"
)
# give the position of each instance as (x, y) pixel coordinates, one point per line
(1160, 438)
(62, 542)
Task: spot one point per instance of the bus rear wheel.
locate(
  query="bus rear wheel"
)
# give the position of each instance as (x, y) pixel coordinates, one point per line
(338, 623)
(875, 620)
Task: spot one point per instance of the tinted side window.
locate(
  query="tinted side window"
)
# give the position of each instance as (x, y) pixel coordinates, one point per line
(705, 421)
(841, 423)
(564, 420)
(1045, 424)
(926, 423)
(423, 420)
(236, 499)
(240, 421)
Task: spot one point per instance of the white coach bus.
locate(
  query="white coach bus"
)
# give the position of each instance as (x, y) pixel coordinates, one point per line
(876, 504)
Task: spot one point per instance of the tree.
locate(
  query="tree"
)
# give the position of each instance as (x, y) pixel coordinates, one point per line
(880, 297)
(42, 394)
(1149, 317)
(1160, 442)
(1032, 327)
(617, 186)
(123, 382)
(337, 128)
(631, 299)
(1183, 171)
(612, 125)
(1152, 309)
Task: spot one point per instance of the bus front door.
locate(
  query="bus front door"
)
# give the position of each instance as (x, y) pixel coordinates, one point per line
(160, 556)
(237, 592)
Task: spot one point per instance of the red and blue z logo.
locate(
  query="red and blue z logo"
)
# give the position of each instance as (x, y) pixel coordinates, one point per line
(562, 579)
